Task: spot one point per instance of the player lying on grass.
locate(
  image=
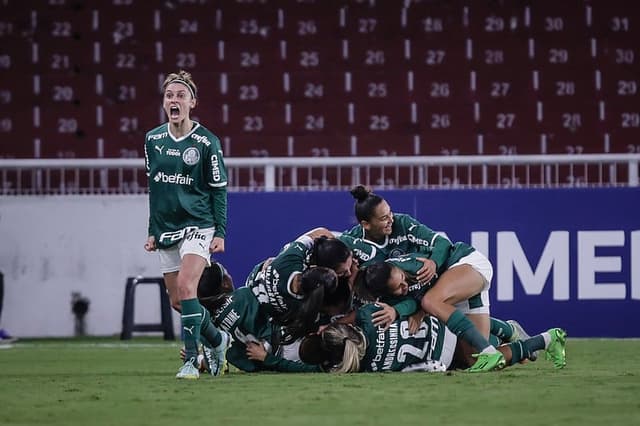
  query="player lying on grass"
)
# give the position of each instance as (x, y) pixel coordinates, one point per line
(256, 338)
(363, 347)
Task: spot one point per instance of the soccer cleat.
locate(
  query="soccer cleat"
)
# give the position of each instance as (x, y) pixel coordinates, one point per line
(520, 334)
(556, 349)
(487, 362)
(218, 365)
(208, 360)
(188, 370)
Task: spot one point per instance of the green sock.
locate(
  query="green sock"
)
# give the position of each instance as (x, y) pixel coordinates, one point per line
(501, 329)
(209, 331)
(462, 327)
(522, 349)
(535, 343)
(191, 318)
(494, 340)
(518, 352)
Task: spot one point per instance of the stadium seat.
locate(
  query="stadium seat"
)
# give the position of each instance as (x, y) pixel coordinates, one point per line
(386, 144)
(370, 86)
(614, 20)
(378, 20)
(67, 130)
(240, 55)
(383, 116)
(331, 145)
(446, 128)
(121, 22)
(256, 146)
(554, 21)
(302, 20)
(435, 21)
(249, 87)
(372, 55)
(322, 117)
(311, 54)
(313, 85)
(253, 118)
(127, 87)
(443, 85)
(63, 87)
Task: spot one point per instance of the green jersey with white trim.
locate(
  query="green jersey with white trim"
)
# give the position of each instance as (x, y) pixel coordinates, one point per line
(187, 183)
(408, 236)
(272, 285)
(395, 349)
(240, 315)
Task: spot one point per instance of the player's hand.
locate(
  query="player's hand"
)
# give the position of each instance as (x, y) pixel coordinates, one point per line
(217, 245)
(256, 352)
(428, 270)
(385, 316)
(150, 245)
(415, 321)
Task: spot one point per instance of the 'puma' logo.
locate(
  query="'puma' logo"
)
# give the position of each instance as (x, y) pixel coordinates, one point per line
(159, 148)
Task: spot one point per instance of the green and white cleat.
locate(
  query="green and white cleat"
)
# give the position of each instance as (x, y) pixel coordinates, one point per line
(218, 363)
(520, 334)
(487, 362)
(188, 371)
(556, 349)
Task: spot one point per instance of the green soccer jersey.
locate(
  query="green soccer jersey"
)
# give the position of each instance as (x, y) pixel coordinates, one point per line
(395, 349)
(240, 315)
(187, 183)
(407, 236)
(272, 285)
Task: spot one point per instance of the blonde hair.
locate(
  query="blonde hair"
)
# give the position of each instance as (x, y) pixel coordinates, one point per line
(355, 346)
(183, 77)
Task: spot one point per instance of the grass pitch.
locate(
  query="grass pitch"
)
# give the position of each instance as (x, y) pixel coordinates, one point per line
(107, 382)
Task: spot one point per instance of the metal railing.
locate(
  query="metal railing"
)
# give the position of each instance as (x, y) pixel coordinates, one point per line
(127, 175)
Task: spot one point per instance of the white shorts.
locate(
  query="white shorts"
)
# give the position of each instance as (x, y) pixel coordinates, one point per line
(196, 242)
(478, 304)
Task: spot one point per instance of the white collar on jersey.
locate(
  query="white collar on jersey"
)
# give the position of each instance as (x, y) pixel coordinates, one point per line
(373, 243)
(193, 129)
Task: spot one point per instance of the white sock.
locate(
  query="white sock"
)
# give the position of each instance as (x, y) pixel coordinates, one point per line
(547, 339)
(489, 350)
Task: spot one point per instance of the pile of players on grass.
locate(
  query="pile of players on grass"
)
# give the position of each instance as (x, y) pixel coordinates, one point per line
(390, 294)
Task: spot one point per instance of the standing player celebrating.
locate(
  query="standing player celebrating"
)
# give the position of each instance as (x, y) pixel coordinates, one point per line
(187, 213)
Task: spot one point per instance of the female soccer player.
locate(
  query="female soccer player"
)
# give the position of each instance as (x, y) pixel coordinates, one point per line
(187, 210)
(460, 298)
(347, 348)
(273, 281)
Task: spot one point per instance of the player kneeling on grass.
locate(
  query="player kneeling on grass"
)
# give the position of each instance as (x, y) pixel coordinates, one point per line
(364, 347)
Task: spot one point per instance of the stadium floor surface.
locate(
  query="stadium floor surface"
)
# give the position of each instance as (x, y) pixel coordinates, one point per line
(108, 382)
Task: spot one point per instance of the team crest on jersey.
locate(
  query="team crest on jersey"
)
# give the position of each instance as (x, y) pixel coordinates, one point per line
(191, 156)
(396, 253)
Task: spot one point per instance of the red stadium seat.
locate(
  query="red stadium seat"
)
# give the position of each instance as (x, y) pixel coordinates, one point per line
(249, 87)
(321, 117)
(388, 144)
(447, 128)
(257, 146)
(313, 85)
(383, 117)
(253, 118)
(331, 145)
(453, 86)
